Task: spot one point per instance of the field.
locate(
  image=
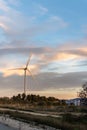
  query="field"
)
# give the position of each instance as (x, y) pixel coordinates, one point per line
(64, 120)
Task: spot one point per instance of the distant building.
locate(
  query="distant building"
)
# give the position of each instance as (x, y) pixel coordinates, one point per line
(75, 101)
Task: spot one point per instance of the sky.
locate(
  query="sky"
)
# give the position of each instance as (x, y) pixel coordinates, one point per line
(55, 34)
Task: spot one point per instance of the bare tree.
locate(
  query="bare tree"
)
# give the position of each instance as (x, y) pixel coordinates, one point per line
(83, 94)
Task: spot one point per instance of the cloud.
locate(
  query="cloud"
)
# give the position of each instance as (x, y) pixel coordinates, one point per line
(4, 6)
(43, 10)
(23, 50)
(39, 10)
(46, 81)
(45, 57)
(3, 26)
(20, 57)
(82, 62)
(14, 2)
(33, 69)
(17, 26)
(48, 84)
(57, 81)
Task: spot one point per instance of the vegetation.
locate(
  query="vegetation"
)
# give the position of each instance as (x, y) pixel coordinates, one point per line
(67, 122)
(72, 117)
(35, 100)
(83, 95)
(39, 103)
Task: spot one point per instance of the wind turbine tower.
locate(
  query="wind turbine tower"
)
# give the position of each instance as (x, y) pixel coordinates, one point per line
(25, 69)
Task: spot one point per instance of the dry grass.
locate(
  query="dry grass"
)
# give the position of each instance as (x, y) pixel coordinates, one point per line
(68, 122)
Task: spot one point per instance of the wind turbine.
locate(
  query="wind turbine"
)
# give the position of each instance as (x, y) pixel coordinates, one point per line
(26, 68)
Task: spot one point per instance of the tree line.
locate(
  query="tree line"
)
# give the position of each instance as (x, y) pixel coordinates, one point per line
(32, 99)
(42, 100)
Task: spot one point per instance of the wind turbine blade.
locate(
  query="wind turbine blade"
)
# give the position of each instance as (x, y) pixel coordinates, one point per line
(28, 61)
(17, 69)
(32, 76)
(30, 73)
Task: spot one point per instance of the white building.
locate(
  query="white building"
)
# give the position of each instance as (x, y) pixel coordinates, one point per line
(75, 101)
